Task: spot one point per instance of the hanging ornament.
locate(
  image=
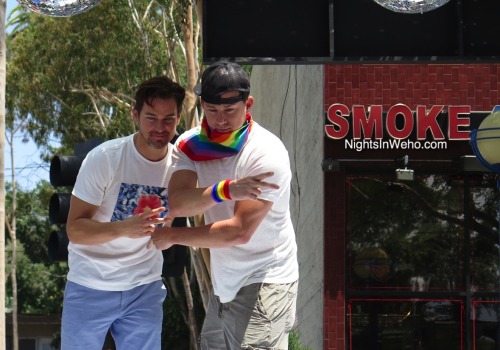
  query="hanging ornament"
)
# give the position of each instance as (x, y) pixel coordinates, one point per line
(59, 8)
(411, 6)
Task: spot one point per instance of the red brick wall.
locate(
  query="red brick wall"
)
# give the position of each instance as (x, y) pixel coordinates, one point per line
(476, 85)
(333, 303)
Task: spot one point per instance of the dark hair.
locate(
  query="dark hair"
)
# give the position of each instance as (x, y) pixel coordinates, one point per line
(161, 87)
(221, 77)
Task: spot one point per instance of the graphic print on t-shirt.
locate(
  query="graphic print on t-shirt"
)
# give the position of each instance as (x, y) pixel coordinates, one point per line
(135, 199)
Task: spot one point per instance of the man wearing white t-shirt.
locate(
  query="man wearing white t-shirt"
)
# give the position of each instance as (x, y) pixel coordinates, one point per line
(238, 174)
(120, 195)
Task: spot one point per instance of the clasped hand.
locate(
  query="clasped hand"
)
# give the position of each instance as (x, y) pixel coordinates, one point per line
(159, 237)
(143, 224)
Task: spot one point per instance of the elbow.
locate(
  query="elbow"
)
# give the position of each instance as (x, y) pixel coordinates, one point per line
(174, 211)
(238, 233)
(242, 237)
(70, 232)
(174, 206)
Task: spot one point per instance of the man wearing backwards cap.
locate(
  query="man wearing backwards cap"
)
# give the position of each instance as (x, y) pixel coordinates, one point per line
(219, 170)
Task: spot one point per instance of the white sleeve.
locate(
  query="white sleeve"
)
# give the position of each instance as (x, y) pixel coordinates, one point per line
(93, 178)
(277, 162)
(180, 161)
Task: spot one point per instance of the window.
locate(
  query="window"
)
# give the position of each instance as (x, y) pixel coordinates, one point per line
(423, 262)
(405, 236)
(395, 324)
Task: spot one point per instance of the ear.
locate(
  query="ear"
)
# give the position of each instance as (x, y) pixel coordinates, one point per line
(249, 102)
(135, 116)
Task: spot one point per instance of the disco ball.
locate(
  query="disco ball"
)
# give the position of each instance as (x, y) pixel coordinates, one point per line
(59, 8)
(411, 6)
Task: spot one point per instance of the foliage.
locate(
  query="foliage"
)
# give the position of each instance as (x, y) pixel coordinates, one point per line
(73, 78)
(40, 283)
(175, 333)
(40, 286)
(175, 308)
(294, 342)
(33, 227)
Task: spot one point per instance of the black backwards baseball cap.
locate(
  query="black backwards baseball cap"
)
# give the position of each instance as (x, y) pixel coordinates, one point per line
(220, 78)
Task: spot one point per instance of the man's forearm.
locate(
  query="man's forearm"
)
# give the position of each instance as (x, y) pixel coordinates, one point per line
(91, 232)
(217, 235)
(189, 202)
(82, 230)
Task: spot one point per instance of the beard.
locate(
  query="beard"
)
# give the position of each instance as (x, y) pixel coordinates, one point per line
(156, 140)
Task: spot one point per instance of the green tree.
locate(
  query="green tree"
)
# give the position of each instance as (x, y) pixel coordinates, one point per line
(33, 225)
(40, 283)
(74, 77)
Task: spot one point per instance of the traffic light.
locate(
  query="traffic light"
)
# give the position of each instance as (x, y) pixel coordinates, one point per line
(175, 257)
(63, 173)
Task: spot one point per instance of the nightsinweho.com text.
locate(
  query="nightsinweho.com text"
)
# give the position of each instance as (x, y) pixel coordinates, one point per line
(360, 145)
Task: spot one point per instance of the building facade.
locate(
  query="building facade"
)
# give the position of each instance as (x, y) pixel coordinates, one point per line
(397, 221)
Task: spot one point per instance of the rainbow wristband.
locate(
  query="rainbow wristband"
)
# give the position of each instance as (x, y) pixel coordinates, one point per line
(220, 191)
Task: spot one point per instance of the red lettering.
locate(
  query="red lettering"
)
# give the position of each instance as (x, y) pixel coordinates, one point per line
(426, 120)
(340, 127)
(392, 114)
(455, 122)
(372, 124)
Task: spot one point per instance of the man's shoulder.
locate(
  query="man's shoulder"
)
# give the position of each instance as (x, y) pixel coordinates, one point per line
(108, 151)
(115, 143)
(264, 136)
(112, 145)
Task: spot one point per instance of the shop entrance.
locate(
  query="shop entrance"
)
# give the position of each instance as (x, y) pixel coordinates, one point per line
(422, 262)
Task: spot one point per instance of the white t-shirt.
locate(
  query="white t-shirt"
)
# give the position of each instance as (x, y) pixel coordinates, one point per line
(271, 254)
(114, 176)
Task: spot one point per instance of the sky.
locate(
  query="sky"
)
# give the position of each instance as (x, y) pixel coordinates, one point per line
(29, 168)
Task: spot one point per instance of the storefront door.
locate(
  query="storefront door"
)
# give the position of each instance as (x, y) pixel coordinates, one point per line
(422, 269)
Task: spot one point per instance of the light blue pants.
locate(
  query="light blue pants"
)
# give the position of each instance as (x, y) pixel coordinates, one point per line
(134, 317)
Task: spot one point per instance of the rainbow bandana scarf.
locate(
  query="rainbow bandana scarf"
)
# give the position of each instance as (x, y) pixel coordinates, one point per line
(210, 145)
